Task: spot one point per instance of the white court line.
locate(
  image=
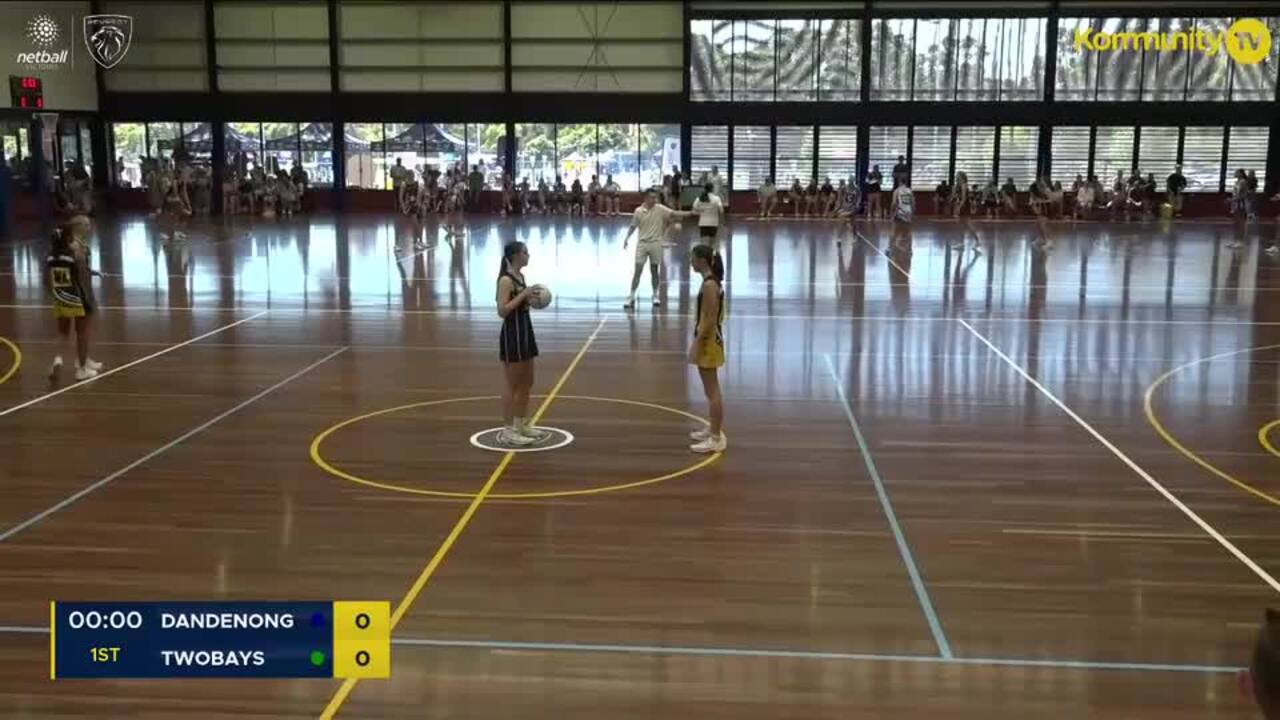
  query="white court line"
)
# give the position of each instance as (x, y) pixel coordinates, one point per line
(1191, 514)
(126, 366)
(163, 449)
(885, 255)
(570, 350)
(488, 313)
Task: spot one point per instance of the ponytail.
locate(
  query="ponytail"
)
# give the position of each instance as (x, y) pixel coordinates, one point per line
(706, 193)
(509, 251)
(712, 258)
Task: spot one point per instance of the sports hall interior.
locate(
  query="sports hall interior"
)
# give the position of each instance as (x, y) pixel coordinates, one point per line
(1038, 478)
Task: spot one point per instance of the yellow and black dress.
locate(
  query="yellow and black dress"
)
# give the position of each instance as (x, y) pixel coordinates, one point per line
(72, 289)
(711, 350)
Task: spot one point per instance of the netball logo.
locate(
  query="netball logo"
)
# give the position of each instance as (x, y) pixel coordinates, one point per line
(107, 37)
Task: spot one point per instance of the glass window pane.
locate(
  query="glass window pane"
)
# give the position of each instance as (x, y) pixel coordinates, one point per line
(316, 140)
(576, 152)
(242, 143)
(1113, 154)
(976, 54)
(1164, 74)
(620, 155)
(750, 156)
(1119, 70)
(893, 59)
(797, 59)
(486, 147)
(130, 148)
(535, 153)
(710, 50)
(838, 152)
(838, 76)
(366, 167)
(1018, 148)
(197, 139)
(976, 153)
(930, 156)
(1202, 158)
(795, 153)
(86, 148)
(1257, 82)
(1247, 150)
(163, 139)
(444, 148)
(1209, 75)
(659, 152)
(709, 146)
(1158, 153)
(281, 145)
(886, 144)
(1069, 153)
(936, 56)
(403, 145)
(1077, 70)
(753, 60)
(1021, 58)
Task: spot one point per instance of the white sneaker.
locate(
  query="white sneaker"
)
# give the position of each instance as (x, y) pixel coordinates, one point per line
(93, 365)
(511, 438)
(85, 373)
(1273, 250)
(532, 433)
(657, 302)
(630, 304)
(711, 444)
(700, 434)
(55, 369)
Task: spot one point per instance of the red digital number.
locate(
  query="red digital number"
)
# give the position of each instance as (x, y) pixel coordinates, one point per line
(40, 103)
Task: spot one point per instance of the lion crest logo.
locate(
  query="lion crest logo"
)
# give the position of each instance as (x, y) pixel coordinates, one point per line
(107, 37)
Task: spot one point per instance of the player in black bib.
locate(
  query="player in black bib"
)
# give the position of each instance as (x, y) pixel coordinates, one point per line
(517, 347)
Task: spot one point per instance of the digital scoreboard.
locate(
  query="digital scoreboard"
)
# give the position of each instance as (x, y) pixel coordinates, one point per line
(26, 92)
(219, 640)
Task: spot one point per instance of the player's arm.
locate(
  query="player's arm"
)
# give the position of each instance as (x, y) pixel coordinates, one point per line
(635, 221)
(508, 300)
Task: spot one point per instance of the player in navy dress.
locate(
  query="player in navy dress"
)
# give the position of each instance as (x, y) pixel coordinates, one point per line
(517, 348)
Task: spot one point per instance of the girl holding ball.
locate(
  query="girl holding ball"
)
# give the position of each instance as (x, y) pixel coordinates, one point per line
(517, 347)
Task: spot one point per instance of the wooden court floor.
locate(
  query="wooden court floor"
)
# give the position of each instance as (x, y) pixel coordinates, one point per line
(1017, 485)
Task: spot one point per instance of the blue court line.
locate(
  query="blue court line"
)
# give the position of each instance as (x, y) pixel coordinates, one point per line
(765, 654)
(922, 593)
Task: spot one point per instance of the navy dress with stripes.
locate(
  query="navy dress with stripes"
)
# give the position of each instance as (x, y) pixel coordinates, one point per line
(516, 342)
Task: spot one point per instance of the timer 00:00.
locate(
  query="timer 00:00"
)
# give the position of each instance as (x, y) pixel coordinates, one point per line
(94, 620)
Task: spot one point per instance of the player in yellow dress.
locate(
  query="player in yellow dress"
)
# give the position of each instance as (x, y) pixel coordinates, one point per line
(70, 281)
(707, 350)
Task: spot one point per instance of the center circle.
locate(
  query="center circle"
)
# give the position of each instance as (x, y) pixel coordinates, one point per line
(317, 456)
(1264, 437)
(17, 360)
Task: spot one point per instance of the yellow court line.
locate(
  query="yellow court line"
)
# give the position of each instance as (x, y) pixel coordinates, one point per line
(318, 458)
(53, 640)
(1147, 406)
(335, 703)
(17, 360)
(1263, 437)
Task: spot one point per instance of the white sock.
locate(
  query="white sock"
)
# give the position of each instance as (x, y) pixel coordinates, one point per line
(518, 423)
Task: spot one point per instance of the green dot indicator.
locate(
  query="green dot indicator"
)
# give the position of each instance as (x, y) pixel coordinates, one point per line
(317, 657)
